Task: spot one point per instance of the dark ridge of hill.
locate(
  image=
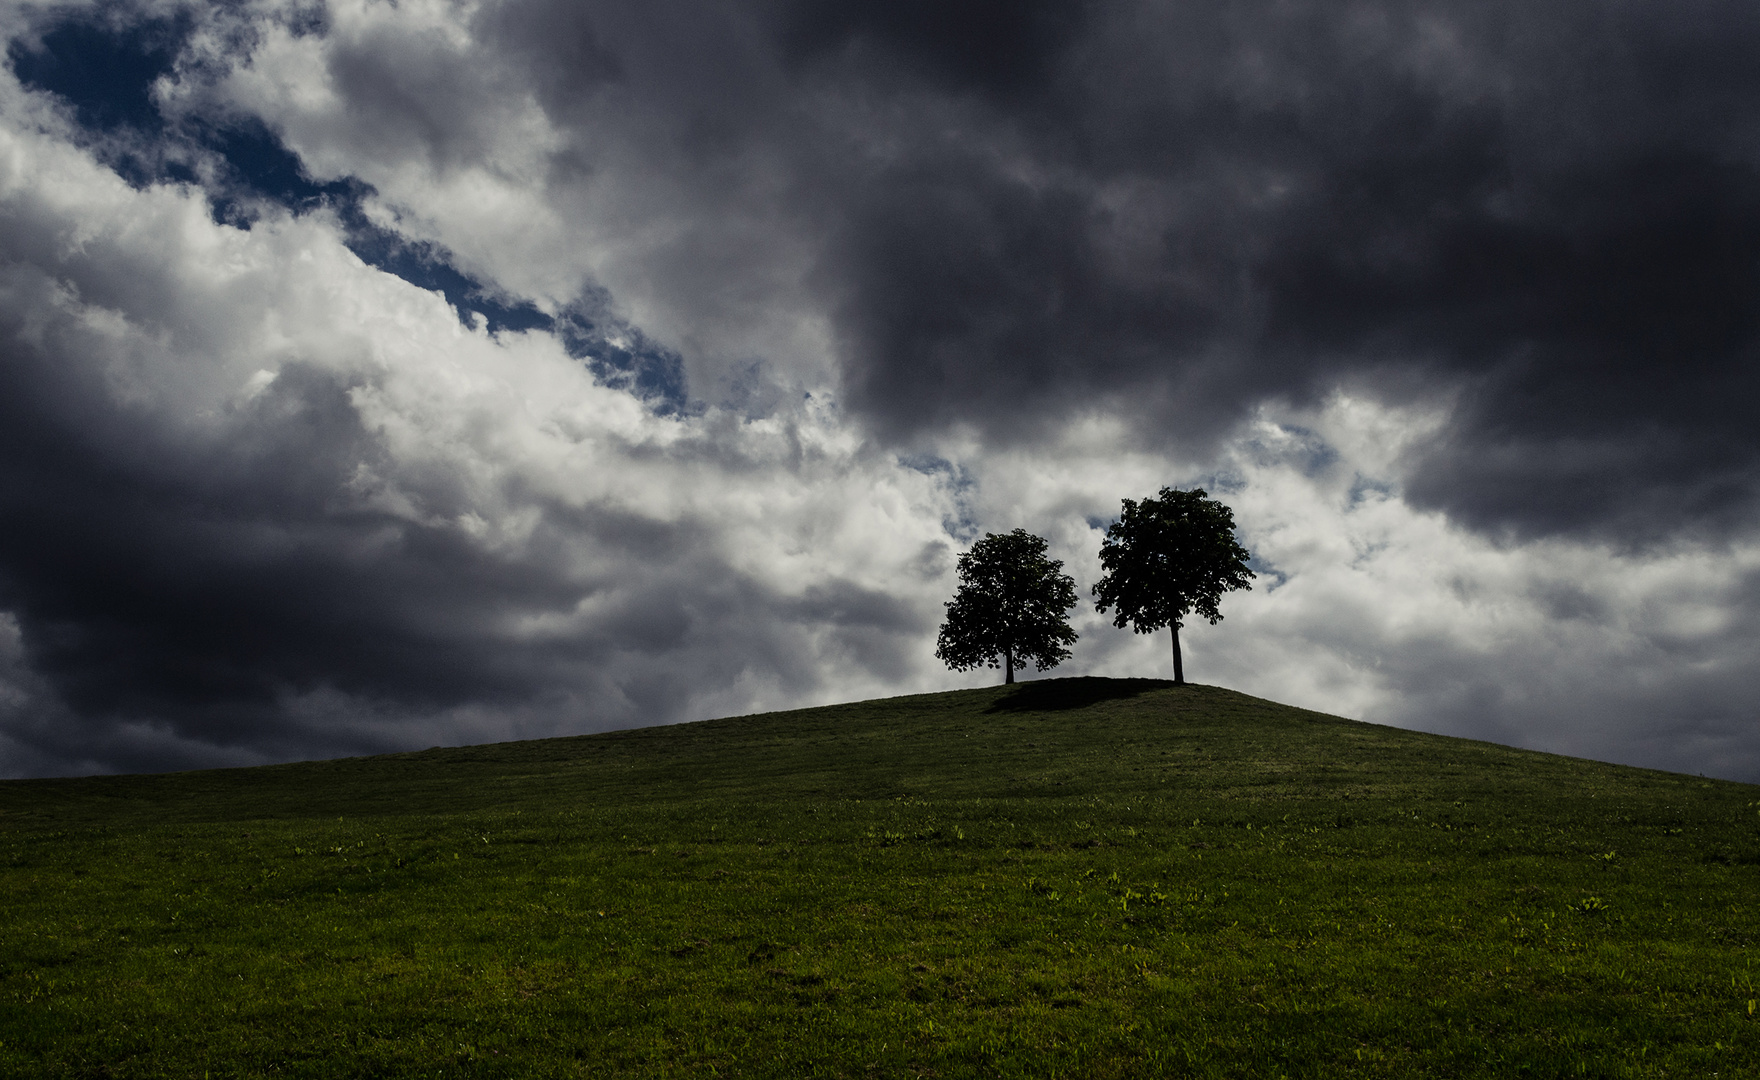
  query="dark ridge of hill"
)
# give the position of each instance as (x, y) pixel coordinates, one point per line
(1052, 738)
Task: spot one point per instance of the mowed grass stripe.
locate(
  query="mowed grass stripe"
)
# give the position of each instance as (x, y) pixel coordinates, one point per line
(1081, 877)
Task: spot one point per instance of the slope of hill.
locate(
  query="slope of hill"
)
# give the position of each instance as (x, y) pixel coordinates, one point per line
(1080, 877)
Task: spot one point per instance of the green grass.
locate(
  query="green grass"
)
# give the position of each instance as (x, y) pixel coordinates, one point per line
(1080, 877)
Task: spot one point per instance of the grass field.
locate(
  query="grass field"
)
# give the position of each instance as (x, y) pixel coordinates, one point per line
(1076, 877)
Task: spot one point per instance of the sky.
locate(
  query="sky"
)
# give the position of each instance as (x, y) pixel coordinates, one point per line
(379, 376)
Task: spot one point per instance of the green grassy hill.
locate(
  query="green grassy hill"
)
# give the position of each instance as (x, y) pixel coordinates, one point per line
(1075, 877)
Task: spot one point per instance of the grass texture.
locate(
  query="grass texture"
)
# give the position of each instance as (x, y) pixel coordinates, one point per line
(1070, 877)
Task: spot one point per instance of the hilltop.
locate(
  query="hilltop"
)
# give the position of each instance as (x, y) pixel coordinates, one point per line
(1087, 876)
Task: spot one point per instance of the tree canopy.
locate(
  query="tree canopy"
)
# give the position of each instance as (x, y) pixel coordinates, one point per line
(1012, 606)
(1167, 557)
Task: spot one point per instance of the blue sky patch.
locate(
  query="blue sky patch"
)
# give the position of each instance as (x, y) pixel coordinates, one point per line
(622, 356)
(962, 525)
(259, 162)
(106, 73)
(1270, 577)
(428, 266)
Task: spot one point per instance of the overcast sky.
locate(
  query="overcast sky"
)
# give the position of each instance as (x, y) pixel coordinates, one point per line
(380, 376)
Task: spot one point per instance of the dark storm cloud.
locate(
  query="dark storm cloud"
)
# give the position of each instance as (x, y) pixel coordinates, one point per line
(210, 592)
(163, 582)
(1176, 212)
(1546, 216)
(999, 47)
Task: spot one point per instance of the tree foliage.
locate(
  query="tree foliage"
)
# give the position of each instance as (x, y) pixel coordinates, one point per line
(1012, 606)
(1168, 557)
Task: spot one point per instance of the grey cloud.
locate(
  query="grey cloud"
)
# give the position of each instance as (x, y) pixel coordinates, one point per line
(1325, 208)
(1548, 216)
(1688, 712)
(237, 530)
(215, 604)
(1551, 214)
(999, 48)
(212, 604)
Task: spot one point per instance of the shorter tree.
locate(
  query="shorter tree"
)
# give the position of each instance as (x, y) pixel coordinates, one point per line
(1011, 607)
(1167, 557)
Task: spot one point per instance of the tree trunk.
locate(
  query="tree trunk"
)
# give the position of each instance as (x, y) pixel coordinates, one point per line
(1179, 669)
(1008, 666)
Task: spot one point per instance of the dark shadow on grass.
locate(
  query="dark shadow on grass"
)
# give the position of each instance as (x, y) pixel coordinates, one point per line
(1054, 695)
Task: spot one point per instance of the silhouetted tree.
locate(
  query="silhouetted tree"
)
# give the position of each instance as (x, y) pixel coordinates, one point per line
(1167, 557)
(1011, 607)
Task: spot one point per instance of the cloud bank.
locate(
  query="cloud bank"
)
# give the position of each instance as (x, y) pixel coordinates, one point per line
(378, 376)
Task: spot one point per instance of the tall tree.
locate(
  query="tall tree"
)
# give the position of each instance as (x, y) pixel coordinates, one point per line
(1167, 557)
(1012, 606)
